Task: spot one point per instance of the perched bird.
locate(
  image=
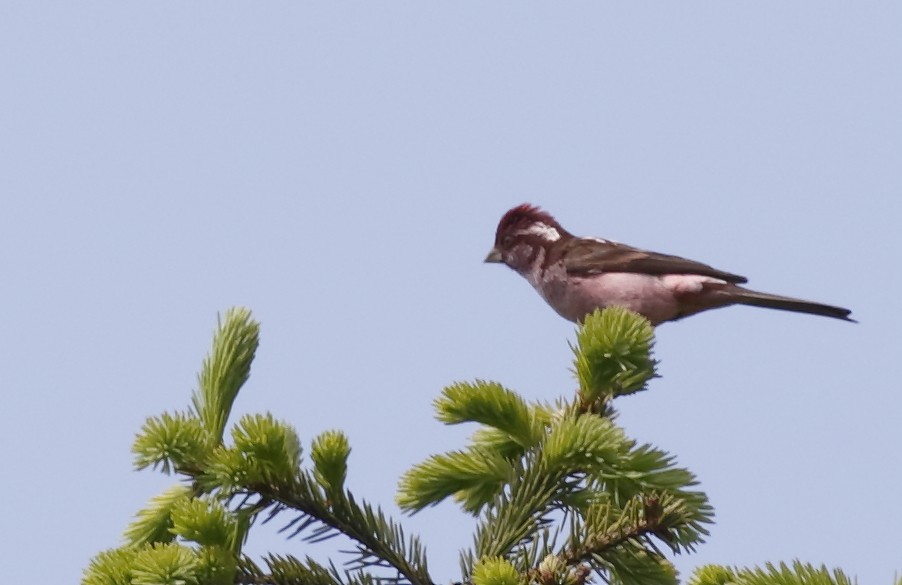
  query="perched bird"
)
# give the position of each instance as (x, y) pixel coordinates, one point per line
(578, 275)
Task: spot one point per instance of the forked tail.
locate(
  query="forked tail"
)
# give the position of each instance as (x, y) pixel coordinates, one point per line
(758, 299)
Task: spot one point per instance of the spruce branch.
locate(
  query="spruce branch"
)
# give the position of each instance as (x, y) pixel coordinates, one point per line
(111, 567)
(225, 370)
(157, 563)
(204, 521)
(612, 356)
(605, 527)
(798, 573)
(153, 523)
(329, 452)
(493, 405)
(262, 471)
(633, 564)
(474, 477)
(495, 571)
(579, 442)
(217, 565)
(165, 563)
(553, 571)
(517, 513)
(645, 470)
(289, 570)
(529, 472)
(379, 540)
(497, 442)
(574, 461)
(271, 447)
(170, 442)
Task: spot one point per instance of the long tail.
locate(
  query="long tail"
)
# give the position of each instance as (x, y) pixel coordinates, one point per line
(744, 296)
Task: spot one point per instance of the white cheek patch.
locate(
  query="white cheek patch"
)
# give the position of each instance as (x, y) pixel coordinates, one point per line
(543, 230)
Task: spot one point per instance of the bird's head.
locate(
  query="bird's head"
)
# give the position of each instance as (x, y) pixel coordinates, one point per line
(522, 233)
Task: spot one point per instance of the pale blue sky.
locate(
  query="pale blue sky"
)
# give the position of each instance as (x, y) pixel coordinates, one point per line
(339, 168)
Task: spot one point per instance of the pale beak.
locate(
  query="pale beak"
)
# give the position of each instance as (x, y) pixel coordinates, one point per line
(494, 256)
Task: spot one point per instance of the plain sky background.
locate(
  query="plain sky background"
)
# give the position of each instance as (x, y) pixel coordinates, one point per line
(340, 167)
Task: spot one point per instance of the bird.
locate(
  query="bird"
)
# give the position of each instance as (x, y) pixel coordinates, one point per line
(578, 275)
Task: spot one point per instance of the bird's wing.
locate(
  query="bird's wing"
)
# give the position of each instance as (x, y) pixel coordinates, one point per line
(585, 256)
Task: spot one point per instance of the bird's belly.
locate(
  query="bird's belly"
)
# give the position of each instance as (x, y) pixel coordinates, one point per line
(645, 294)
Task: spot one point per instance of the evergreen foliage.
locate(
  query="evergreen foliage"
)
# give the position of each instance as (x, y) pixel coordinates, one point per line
(797, 574)
(559, 494)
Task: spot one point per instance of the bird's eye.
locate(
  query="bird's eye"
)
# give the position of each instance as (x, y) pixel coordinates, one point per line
(507, 240)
